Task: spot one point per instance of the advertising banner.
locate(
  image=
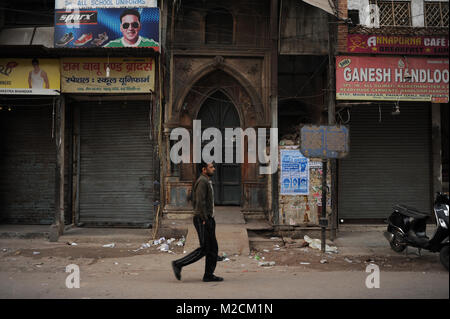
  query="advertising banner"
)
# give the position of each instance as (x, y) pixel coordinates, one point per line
(294, 175)
(89, 75)
(392, 79)
(111, 24)
(398, 44)
(29, 76)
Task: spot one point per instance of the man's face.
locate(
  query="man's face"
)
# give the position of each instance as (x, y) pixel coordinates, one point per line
(130, 28)
(210, 169)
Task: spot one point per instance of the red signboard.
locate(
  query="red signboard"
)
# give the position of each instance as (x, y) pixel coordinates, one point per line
(392, 79)
(397, 44)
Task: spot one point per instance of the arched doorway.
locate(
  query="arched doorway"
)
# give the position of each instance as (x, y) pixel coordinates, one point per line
(218, 111)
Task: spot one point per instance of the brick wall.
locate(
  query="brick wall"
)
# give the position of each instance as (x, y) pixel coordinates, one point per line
(342, 28)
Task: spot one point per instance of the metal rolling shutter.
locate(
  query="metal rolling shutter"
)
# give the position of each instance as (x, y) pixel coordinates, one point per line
(116, 185)
(389, 162)
(27, 165)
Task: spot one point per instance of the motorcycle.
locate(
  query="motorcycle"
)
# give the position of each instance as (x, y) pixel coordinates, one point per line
(407, 227)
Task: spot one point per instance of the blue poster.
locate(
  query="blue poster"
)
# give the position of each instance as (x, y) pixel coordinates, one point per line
(294, 175)
(107, 27)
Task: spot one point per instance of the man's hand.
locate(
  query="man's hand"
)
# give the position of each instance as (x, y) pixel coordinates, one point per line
(204, 222)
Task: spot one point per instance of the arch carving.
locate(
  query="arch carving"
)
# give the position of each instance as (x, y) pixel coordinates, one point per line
(218, 75)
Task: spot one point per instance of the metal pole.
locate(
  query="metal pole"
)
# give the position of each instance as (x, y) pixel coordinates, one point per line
(323, 219)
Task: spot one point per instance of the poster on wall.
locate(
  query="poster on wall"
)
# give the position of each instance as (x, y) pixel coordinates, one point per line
(392, 79)
(103, 75)
(108, 23)
(294, 175)
(29, 76)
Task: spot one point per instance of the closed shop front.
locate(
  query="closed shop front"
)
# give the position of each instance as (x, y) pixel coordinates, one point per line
(29, 90)
(113, 140)
(27, 162)
(116, 178)
(389, 161)
(393, 110)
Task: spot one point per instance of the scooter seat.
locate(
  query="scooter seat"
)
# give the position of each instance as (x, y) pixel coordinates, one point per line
(410, 211)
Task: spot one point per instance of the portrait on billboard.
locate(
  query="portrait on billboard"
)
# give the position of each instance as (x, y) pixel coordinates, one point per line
(107, 27)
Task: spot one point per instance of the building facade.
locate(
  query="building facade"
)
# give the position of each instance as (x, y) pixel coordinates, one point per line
(220, 70)
(398, 116)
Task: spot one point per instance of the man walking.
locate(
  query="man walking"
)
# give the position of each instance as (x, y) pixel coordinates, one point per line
(203, 201)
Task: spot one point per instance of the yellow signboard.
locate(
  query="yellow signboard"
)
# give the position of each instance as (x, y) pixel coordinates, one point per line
(103, 75)
(29, 76)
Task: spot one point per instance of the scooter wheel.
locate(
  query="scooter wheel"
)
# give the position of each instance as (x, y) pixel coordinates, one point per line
(443, 255)
(395, 243)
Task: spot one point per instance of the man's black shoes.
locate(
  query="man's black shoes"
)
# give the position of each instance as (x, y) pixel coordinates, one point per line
(220, 258)
(212, 278)
(176, 270)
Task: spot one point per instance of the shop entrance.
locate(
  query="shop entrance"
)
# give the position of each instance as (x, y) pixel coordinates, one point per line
(219, 112)
(27, 161)
(116, 173)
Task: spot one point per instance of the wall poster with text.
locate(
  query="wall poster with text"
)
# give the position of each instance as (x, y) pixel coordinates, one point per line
(294, 175)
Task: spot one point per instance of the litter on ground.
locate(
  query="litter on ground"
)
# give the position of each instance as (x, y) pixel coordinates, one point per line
(317, 244)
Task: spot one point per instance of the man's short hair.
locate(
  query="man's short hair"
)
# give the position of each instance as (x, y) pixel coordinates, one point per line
(130, 12)
(34, 61)
(203, 165)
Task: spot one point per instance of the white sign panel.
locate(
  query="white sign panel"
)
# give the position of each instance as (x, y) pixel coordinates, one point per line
(73, 4)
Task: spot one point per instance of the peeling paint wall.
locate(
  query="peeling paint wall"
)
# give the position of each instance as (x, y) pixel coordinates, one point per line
(304, 210)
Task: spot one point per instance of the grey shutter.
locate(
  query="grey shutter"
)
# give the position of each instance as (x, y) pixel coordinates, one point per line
(27, 164)
(116, 186)
(389, 161)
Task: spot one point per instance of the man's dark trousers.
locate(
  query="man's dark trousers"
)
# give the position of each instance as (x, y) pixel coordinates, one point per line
(208, 246)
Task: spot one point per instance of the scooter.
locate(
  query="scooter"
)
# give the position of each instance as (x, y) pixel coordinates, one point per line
(407, 227)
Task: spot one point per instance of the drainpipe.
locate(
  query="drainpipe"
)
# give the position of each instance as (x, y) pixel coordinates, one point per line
(274, 31)
(332, 115)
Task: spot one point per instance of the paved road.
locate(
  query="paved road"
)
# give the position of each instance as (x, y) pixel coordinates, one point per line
(149, 276)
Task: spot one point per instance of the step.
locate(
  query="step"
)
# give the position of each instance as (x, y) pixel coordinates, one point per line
(231, 239)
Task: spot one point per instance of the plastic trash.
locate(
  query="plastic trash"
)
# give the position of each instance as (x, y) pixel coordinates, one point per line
(36, 253)
(112, 245)
(305, 263)
(181, 242)
(266, 250)
(257, 257)
(348, 260)
(164, 247)
(73, 244)
(171, 240)
(266, 263)
(146, 245)
(317, 244)
(324, 261)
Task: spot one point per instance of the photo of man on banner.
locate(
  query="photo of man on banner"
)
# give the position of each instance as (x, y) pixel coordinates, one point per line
(130, 26)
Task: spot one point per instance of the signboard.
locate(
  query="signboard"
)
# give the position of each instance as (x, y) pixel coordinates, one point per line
(106, 23)
(89, 75)
(392, 79)
(294, 176)
(398, 44)
(324, 141)
(29, 76)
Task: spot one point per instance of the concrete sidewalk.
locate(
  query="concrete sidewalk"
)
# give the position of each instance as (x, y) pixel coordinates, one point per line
(231, 232)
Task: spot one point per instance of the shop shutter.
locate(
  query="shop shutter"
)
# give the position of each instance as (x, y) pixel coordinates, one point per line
(116, 186)
(27, 164)
(389, 161)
